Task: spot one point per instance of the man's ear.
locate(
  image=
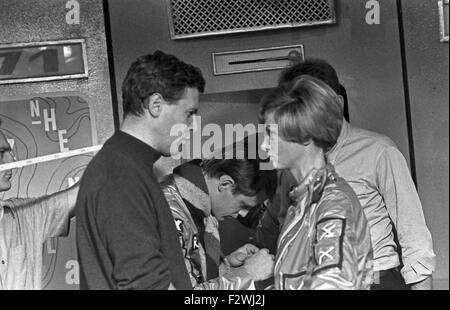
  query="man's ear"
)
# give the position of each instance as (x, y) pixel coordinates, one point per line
(155, 104)
(226, 183)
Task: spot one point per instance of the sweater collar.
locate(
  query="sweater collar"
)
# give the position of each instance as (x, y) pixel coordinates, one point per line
(134, 148)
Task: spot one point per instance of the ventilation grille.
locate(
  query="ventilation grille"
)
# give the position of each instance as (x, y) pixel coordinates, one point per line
(193, 18)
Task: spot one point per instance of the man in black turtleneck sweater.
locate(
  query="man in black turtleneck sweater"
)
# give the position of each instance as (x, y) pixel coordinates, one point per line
(126, 236)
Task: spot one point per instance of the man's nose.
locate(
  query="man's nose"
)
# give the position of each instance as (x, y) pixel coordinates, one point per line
(193, 126)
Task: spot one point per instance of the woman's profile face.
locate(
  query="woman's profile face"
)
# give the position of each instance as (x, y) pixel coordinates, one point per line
(283, 154)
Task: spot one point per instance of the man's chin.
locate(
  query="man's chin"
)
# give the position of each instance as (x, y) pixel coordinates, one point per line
(275, 164)
(278, 165)
(169, 153)
(166, 154)
(174, 155)
(175, 152)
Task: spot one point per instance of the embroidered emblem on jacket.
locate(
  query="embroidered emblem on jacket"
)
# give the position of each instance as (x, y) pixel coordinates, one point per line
(195, 244)
(179, 226)
(328, 243)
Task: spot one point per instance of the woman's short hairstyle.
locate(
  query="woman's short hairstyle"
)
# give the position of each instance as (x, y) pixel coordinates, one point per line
(305, 109)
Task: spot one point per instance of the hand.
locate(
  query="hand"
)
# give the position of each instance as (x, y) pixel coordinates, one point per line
(260, 265)
(238, 257)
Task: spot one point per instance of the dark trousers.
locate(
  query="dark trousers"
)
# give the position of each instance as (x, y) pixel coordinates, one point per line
(390, 279)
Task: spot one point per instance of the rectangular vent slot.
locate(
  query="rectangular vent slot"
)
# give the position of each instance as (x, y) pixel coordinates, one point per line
(256, 60)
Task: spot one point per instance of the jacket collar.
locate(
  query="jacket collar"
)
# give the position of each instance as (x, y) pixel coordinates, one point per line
(313, 184)
(192, 186)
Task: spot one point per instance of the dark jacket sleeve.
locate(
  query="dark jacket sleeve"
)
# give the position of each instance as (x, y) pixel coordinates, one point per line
(272, 220)
(129, 228)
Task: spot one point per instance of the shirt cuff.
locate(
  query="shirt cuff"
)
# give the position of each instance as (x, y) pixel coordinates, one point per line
(419, 270)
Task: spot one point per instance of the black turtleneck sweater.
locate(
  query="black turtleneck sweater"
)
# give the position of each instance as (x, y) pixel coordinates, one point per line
(126, 236)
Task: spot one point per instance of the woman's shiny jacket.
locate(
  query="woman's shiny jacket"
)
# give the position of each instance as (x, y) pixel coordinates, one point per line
(325, 240)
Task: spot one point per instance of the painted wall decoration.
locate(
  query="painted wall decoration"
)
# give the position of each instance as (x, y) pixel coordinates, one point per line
(45, 124)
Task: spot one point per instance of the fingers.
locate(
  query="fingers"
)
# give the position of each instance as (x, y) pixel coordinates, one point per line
(250, 254)
(265, 250)
(260, 265)
(251, 249)
(240, 257)
(236, 259)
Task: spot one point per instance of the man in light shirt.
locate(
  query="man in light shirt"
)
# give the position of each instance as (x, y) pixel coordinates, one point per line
(25, 224)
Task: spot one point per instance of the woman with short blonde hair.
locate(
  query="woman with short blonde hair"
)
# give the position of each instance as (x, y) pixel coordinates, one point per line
(305, 109)
(325, 241)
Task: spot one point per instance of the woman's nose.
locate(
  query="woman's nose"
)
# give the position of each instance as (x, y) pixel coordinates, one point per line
(265, 144)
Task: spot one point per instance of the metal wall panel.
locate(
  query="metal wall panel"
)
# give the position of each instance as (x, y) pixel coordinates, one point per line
(25, 21)
(428, 73)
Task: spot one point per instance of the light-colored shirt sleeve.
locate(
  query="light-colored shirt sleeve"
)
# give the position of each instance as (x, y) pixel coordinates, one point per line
(48, 215)
(405, 210)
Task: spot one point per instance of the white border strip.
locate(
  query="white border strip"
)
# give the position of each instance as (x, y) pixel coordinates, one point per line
(442, 4)
(45, 158)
